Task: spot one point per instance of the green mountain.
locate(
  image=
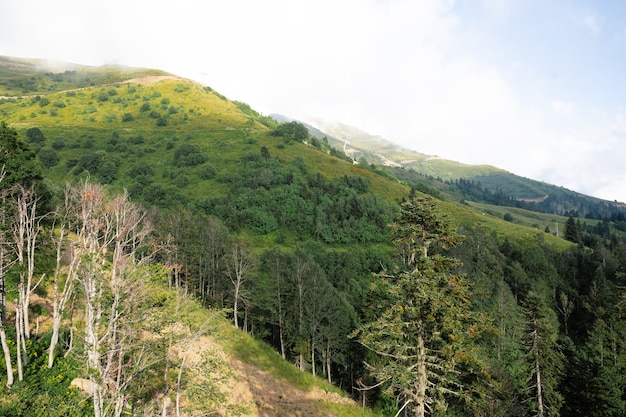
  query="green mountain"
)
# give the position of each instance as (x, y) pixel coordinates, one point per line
(483, 183)
(270, 250)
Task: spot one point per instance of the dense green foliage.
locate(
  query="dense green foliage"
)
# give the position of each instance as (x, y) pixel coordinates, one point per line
(265, 196)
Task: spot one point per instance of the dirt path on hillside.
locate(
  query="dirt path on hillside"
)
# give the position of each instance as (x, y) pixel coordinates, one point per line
(151, 79)
(275, 398)
(247, 390)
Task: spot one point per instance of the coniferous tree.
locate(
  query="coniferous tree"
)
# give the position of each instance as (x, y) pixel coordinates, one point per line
(422, 337)
(544, 357)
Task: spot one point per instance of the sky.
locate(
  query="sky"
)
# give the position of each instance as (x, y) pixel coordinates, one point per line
(535, 87)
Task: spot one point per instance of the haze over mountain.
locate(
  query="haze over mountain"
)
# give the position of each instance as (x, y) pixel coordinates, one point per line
(536, 88)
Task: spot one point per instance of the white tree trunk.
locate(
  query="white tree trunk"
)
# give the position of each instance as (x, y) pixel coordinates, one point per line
(7, 355)
(18, 344)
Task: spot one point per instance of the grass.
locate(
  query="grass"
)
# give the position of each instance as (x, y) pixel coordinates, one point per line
(204, 118)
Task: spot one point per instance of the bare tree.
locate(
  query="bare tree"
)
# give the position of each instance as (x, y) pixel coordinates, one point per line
(239, 266)
(63, 289)
(3, 337)
(25, 232)
(109, 235)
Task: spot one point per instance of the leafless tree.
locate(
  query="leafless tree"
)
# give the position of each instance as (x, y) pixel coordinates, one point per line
(63, 289)
(26, 227)
(239, 266)
(110, 232)
(3, 243)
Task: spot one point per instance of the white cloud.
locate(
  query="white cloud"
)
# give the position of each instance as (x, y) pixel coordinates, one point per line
(565, 109)
(463, 81)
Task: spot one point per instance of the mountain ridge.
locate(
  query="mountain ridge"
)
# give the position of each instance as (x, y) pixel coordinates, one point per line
(539, 195)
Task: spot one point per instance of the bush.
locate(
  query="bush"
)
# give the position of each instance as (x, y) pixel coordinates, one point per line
(142, 169)
(162, 121)
(137, 140)
(144, 107)
(48, 157)
(35, 135)
(189, 155)
(59, 143)
(181, 180)
(292, 131)
(127, 117)
(90, 162)
(207, 172)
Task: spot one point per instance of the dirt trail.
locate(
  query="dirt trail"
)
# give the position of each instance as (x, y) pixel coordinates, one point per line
(151, 79)
(275, 398)
(252, 391)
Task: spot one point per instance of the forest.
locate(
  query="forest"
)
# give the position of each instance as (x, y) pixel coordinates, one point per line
(388, 301)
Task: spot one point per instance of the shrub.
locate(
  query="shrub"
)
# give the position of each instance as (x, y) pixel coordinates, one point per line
(88, 143)
(207, 172)
(144, 107)
(141, 170)
(137, 140)
(48, 157)
(44, 101)
(35, 135)
(181, 180)
(127, 117)
(108, 172)
(162, 121)
(90, 162)
(292, 131)
(155, 114)
(189, 155)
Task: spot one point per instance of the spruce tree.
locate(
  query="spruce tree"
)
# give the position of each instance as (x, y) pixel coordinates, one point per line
(422, 338)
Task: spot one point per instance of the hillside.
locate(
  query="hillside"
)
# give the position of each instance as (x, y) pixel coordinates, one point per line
(538, 196)
(261, 255)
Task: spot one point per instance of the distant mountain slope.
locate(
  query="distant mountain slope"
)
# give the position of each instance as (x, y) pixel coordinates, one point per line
(483, 183)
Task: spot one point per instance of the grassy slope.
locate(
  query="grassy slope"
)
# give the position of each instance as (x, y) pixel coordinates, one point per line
(203, 117)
